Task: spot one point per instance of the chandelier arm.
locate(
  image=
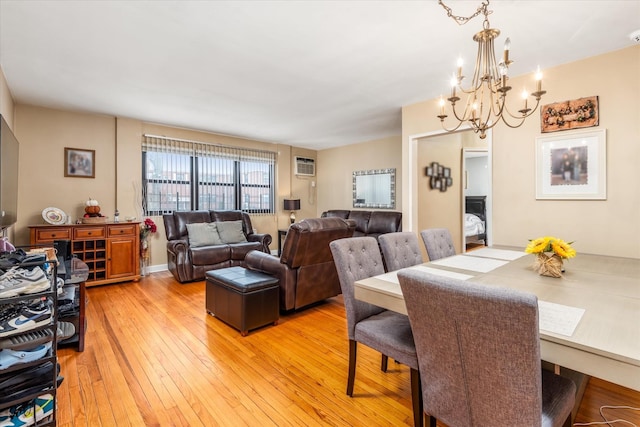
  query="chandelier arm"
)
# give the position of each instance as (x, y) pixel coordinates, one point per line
(452, 129)
(525, 115)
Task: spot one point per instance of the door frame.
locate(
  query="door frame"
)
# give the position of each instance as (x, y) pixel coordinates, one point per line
(464, 180)
(410, 170)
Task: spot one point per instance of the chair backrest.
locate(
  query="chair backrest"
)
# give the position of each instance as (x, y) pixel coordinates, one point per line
(400, 250)
(438, 242)
(478, 350)
(356, 258)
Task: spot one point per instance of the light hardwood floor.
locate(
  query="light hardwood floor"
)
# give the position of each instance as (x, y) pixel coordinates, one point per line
(154, 357)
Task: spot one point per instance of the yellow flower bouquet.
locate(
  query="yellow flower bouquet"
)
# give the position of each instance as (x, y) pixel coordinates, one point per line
(550, 251)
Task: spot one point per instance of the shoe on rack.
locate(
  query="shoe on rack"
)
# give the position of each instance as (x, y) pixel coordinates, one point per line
(65, 330)
(30, 413)
(19, 280)
(16, 385)
(27, 340)
(10, 259)
(26, 319)
(60, 285)
(9, 357)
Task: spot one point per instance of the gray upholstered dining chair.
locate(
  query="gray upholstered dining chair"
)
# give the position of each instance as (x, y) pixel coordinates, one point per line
(400, 250)
(479, 355)
(385, 331)
(438, 242)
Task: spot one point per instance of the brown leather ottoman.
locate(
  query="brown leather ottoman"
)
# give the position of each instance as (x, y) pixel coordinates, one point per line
(244, 299)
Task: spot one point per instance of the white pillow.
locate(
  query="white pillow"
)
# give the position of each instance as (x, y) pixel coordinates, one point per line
(231, 231)
(203, 234)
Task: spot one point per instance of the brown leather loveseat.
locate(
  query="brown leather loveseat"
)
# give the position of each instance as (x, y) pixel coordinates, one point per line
(370, 223)
(305, 269)
(218, 239)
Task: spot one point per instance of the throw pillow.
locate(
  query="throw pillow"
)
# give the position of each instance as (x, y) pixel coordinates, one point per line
(203, 234)
(231, 231)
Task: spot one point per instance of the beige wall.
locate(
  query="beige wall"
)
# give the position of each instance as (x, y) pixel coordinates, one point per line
(336, 167)
(6, 100)
(43, 133)
(6, 109)
(302, 187)
(607, 227)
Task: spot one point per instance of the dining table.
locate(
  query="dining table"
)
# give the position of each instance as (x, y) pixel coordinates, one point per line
(589, 317)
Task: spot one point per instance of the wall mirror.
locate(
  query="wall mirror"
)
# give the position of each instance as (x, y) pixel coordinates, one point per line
(374, 189)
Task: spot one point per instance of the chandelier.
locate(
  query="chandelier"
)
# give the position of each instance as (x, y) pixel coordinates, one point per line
(486, 99)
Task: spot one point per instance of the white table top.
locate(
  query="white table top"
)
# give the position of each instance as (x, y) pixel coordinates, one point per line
(606, 339)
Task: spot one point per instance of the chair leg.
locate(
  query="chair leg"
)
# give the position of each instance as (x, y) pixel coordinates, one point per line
(384, 362)
(432, 421)
(353, 348)
(416, 398)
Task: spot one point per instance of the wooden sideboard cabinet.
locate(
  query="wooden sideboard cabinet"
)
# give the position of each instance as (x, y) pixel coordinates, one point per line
(110, 250)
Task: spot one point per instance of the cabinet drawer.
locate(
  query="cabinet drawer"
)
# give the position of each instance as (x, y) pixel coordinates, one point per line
(50, 234)
(88, 232)
(122, 230)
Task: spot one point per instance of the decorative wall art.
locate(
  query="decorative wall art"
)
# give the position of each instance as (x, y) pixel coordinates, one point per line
(572, 166)
(440, 176)
(566, 115)
(79, 163)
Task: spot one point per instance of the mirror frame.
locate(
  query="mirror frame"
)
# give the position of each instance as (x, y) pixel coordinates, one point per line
(392, 188)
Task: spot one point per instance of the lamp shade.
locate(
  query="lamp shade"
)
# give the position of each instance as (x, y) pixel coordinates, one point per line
(291, 204)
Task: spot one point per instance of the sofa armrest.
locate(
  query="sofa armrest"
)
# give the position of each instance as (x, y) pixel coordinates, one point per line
(269, 264)
(264, 239)
(178, 260)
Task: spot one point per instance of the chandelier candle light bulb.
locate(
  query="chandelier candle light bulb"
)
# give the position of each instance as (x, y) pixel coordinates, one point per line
(538, 80)
(507, 46)
(525, 95)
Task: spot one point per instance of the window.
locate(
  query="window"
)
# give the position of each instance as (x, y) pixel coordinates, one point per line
(179, 175)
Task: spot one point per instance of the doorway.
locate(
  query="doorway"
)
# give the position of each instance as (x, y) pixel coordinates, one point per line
(425, 207)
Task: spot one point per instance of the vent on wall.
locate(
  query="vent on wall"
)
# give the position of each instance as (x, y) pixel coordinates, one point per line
(305, 166)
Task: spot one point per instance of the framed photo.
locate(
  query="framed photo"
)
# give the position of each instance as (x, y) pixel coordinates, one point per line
(447, 172)
(79, 163)
(443, 184)
(572, 166)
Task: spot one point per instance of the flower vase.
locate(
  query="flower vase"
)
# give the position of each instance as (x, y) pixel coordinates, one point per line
(144, 257)
(548, 264)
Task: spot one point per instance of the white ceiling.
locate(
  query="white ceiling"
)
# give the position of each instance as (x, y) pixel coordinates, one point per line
(313, 74)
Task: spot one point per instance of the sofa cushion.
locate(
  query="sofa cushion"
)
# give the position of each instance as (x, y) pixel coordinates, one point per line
(362, 221)
(382, 222)
(231, 231)
(203, 234)
(210, 255)
(344, 214)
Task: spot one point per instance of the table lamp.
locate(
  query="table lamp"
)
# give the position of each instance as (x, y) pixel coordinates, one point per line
(292, 205)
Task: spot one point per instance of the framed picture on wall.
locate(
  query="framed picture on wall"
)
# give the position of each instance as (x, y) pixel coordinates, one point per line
(79, 163)
(572, 166)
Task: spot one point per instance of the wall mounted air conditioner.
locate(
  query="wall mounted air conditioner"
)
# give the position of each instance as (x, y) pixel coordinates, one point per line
(305, 166)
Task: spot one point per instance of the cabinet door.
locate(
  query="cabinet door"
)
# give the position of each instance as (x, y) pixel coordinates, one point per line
(121, 258)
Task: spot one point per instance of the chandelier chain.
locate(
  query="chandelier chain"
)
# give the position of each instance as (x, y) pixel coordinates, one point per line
(461, 20)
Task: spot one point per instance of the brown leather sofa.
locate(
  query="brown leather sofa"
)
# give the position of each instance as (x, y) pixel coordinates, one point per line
(188, 263)
(305, 269)
(369, 223)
